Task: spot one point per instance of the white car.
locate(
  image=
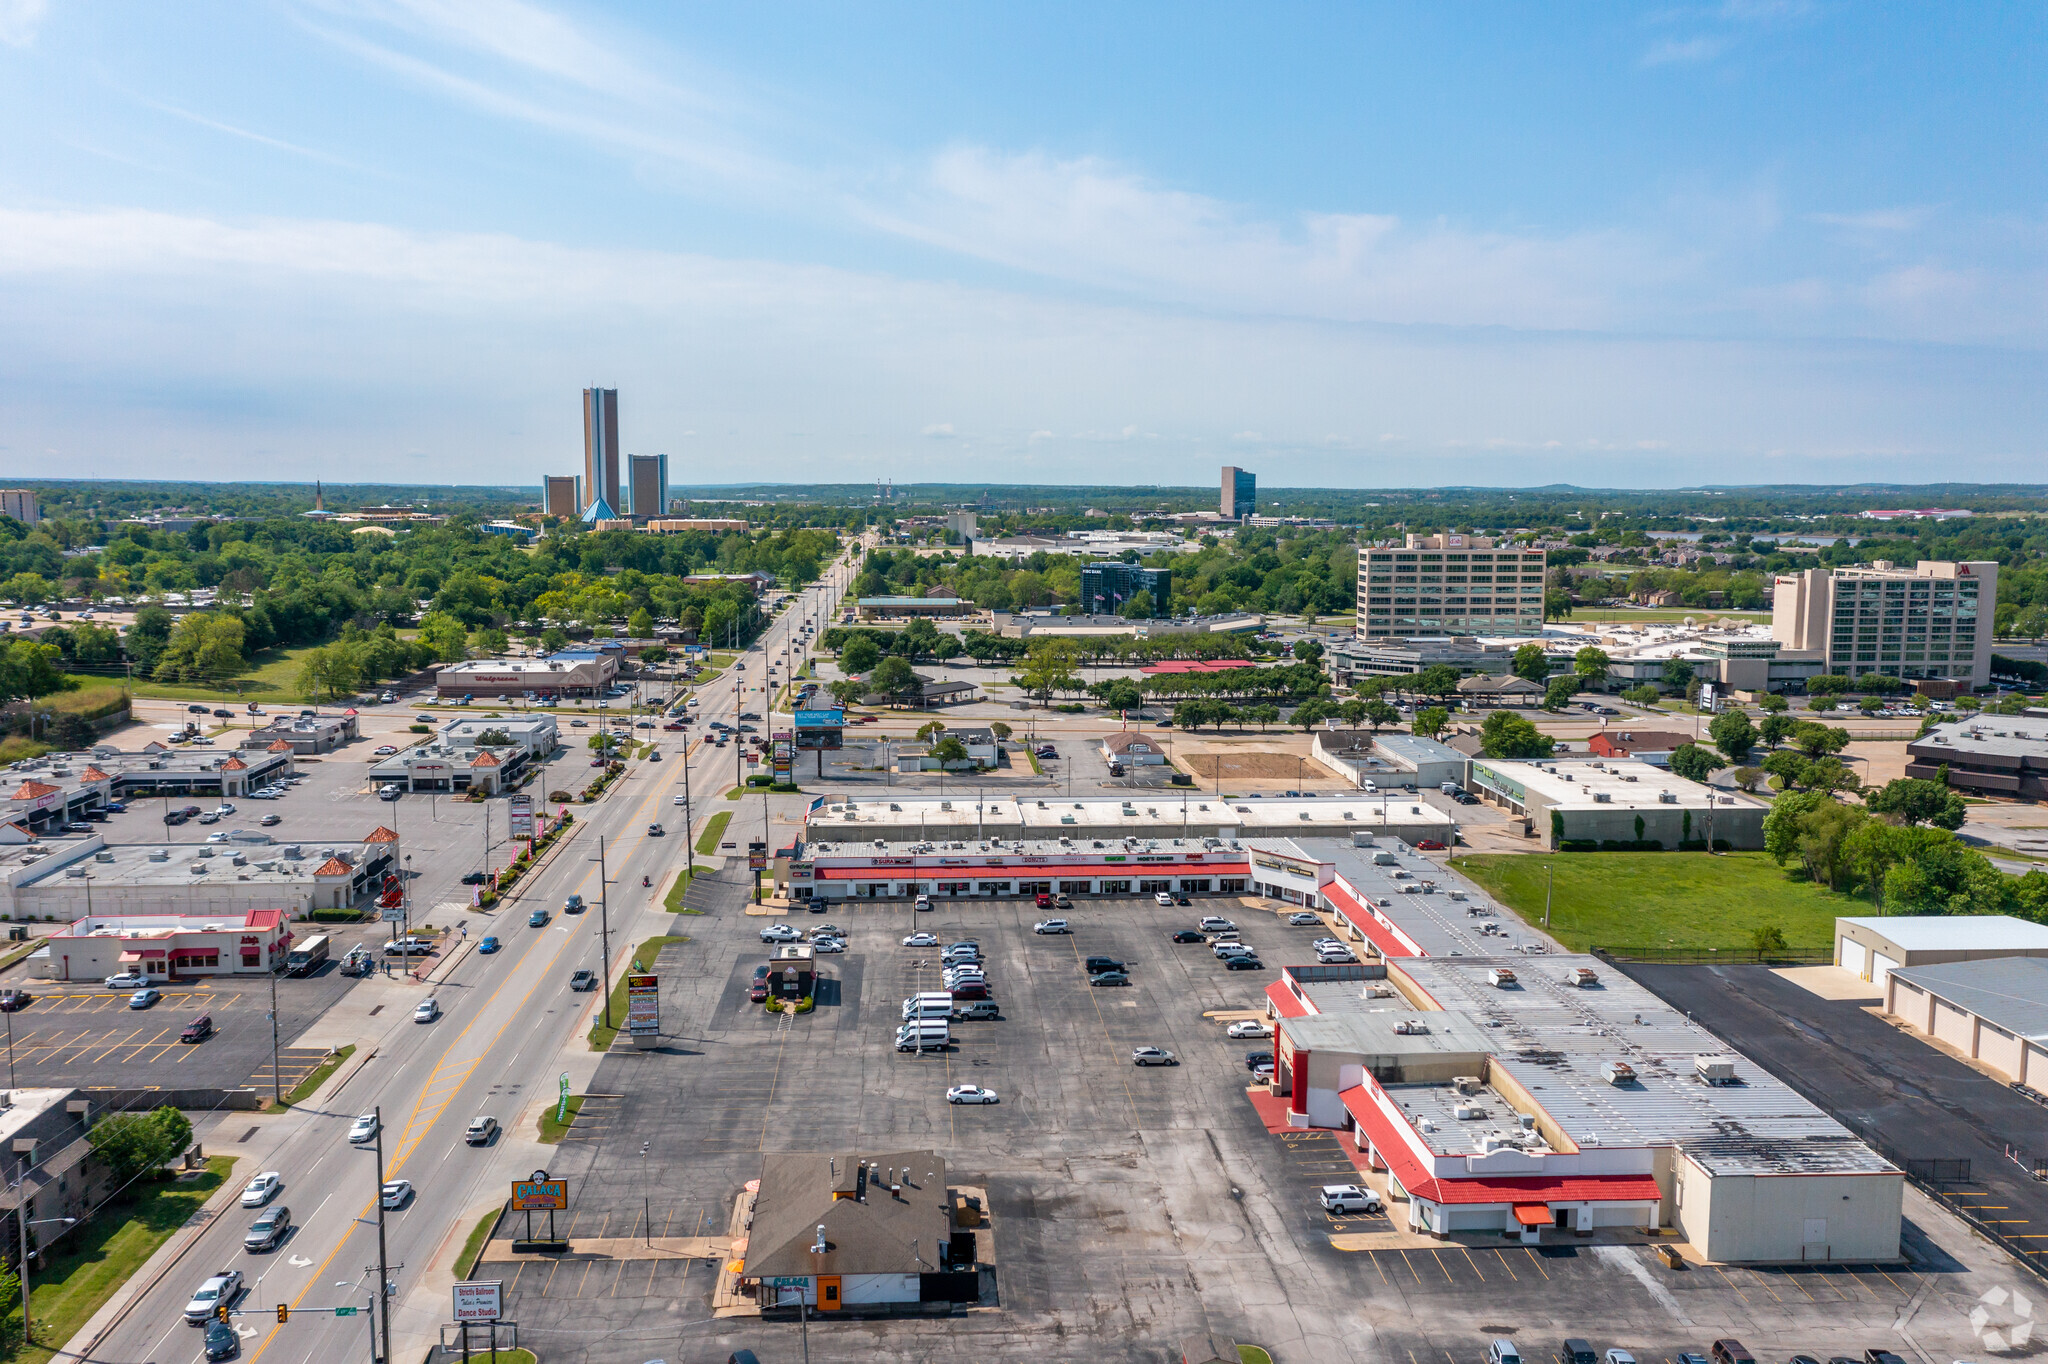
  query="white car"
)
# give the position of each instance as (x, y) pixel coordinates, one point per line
(923, 902)
(1231, 949)
(129, 980)
(216, 838)
(1051, 926)
(1303, 919)
(970, 1094)
(828, 944)
(679, 799)
(1153, 1056)
(1211, 923)
(363, 1129)
(1350, 1198)
(262, 1189)
(1248, 1028)
(226, 807)
(427, 1010)
(1334, 956)
(1162, 898)
(1320, 943)
(396, 1192)
(779, 933)
(922, 940)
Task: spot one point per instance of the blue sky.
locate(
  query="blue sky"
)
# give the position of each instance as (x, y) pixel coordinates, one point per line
(1357, 245)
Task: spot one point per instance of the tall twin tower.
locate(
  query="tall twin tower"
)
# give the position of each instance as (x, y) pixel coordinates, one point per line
(600, 494)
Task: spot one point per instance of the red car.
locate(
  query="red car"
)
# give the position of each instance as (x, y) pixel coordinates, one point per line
(1428, 845)
(675, 724)
(759, 989)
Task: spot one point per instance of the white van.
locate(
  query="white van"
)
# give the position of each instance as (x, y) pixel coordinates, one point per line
(928, 1006)
(923, 1036)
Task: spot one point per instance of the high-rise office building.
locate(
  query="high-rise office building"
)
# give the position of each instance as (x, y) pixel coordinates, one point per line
(20, 503)
(1109, 586)
(600, 454)
(1449, 584)
(1932, 620)
(646, 486)
(562, 496)
(1240, 492)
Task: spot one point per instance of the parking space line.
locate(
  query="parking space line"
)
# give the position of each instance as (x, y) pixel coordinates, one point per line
(616, 1276)
(1500, 1256)
(1765, 1284)
(1475, 1266)
(1536, 1262)
(1731, 1283)
(580, 1283)
(552, 1267)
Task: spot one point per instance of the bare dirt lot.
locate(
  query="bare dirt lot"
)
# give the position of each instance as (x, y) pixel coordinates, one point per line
(1231, 764)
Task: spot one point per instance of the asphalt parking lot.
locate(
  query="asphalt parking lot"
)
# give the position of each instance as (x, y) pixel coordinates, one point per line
(82, 1034)
(1130, 1206)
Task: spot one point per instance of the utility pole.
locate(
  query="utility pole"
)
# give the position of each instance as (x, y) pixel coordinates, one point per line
(689, 846)
(276, 1080)
(383, 1294)
(1546, 895)
(604, 925)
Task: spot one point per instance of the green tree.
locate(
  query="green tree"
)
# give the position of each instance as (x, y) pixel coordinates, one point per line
(1830, 775)
(494, 738)
(492, 642)
(203, 647)
(1787, 766)
(1917, 800)
(930, 730)
(446, 635)
(1378, 714)
(1591, 663)
(1644, 695)
(1270, 714)
(133, 1143)
(1747, 778)
(1139, 607)
(919, 639)
(1308, 651)
(1311, 713)
(1767, 941)
(30, 669)
(1507, 735)
(1049, 666)
(1828, 684)
(1001, 730)
(1438, 679)
(30, 589)
(847, 692)
(1817, 740)
(892, 678)
(327, 672)
(1677, 674)
(1430, 721)
(949, 750)
(640, 624)
(1776, 728)
(1121, 694)
(147, 636)
(1695, 763)
(1770, 703)
(859, 655)
(1532, 663)
(75, 732)
(553, 639)
(1733, 733)
(1557, 692)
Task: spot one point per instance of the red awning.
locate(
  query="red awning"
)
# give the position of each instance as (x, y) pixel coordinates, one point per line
(1034, 872)
(1514, 1189)
(1533, 1214)
(1284, 1002)
(1388, 943)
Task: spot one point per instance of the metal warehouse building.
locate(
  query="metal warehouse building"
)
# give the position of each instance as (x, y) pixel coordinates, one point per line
(1994, 1012)
(1872, 949)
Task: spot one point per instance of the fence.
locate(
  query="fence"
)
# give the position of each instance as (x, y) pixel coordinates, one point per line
(1707, 956)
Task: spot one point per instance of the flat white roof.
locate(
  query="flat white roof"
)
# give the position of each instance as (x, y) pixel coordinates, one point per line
(1954, 932)
(1628, 783)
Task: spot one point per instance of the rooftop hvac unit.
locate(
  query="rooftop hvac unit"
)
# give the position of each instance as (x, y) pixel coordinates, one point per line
(1714, 1070)
(74, 871)
(1527, 1120)
(1631, 778)
(1667, 798)
(1378, 992)
(1465, 1084)
(1581, 976)
(1412, 1027)
(1618, 1073)
(1603, 798)
(160, 855)
(103, 855)
(1469, 1112)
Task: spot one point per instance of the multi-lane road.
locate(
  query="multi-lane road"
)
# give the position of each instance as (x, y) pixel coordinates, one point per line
(509, 1026)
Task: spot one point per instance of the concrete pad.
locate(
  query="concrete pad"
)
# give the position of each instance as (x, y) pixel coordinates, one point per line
(1830, 982)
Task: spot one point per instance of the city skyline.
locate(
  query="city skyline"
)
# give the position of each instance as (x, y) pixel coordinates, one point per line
(1657, 247)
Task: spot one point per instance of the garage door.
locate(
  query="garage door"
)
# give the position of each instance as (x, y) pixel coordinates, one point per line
(1881, 966)
(1855, 958)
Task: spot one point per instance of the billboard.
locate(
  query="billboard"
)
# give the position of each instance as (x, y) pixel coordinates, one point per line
(757, 855)
(833, 718)
(820, 728)
(522, 816)
(480, 1301)
(785, 759)
(540, 1195)
(643, 1005)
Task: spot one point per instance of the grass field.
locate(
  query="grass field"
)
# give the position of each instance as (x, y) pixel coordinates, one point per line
(474, 1246)
(550, 1130)
(303, 1090)
(673, 901)
(86, 1268)
(273, 675)
(1668, 899)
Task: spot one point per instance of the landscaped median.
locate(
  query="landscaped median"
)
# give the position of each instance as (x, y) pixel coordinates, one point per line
(555, 830)
(306, 1088)
(714, 829)
(1664, 901)
(550, 1130)
(601, 1036)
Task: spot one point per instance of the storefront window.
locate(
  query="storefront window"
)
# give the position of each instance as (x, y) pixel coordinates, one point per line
(1116, 887)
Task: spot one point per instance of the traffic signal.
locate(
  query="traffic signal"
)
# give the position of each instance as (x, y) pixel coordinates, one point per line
(284, 1312)
(220, 1309)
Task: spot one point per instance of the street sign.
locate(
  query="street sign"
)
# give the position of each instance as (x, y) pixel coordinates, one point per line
(643, 1005)
(344, 1311)
(757, 855)
(522, 815)
(540, 1195)
(482, 1300)
(393, 916)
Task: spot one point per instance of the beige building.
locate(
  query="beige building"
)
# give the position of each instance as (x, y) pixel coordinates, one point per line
(559, 498)
(1995, 1012)
(20, 503)
(674, 525)
(1929, 621)
(1872, 948)
(1449, 585)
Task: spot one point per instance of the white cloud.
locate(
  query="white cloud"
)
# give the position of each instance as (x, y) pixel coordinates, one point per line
(19, 20)
(939, 429)
(1685, 51)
